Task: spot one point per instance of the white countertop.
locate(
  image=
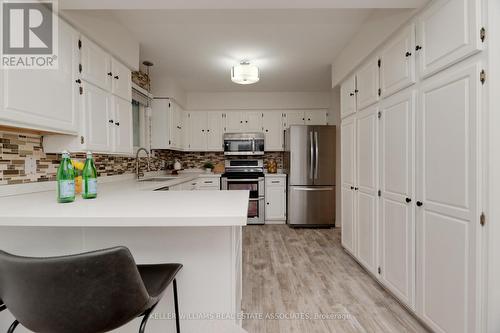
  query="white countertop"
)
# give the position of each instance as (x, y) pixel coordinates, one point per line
(129, 203)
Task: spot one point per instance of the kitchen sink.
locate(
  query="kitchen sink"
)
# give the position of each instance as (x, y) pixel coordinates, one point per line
(158, 179)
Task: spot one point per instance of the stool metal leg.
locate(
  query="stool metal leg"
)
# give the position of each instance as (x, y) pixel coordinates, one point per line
(13, 327)
(176, 304)
(147, 314)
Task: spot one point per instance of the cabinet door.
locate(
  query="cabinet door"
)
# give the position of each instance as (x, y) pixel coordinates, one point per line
(348, 161)
(45, 99)
(367, 82)
(293, 118)
(273, 130)
(122, 80)
(122, 110)
(253, 121)
(160, 124)
(96, 65)
(275, 203)
(398, 62)
(315, 117)
(176, 125)
(348, 97)
(448, 31)
(397, 235)
(233, 122)
(99, 118)
(214, 130)
(367, 186)
(197, 128)
(448, 271)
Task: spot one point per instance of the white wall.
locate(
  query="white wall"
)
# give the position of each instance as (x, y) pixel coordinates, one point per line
(108, 33)
(377, 28)
(162, 86)
(257, 100)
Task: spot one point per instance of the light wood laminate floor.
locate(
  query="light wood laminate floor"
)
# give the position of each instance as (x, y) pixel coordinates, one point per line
(305, 272)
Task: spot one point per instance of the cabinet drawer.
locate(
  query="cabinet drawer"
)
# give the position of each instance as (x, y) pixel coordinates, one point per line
(208, 182)
(276, 181)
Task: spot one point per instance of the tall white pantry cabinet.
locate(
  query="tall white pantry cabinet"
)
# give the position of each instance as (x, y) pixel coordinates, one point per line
(411, 165)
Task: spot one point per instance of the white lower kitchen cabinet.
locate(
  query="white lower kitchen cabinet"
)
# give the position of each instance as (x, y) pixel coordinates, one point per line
(273, 130)
(43, 99)
(366, 188)
(397, 228)
(448, 177)
(275, 198)
(105, 125)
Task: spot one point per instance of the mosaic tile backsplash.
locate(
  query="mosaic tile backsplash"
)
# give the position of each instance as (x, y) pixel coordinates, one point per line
(17, 147)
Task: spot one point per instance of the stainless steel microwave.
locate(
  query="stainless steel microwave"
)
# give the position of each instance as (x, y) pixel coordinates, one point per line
(244, 144)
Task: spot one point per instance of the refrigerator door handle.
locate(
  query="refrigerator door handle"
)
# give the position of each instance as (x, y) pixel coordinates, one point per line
(311, 155)
(316, 157)
(312, 188)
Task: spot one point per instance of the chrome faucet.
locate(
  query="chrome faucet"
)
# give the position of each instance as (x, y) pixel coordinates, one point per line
(137, 161)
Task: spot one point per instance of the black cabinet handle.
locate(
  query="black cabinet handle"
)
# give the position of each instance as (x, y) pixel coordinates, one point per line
(351, 94)
(303, 118)
(111, 121)
(241, 122)
(420, 203)
(117, 124)
(352, 187)
(267, 130)
(203, 130)
(110, 74)
(408, 200)
(208, 130)
(78, 81)
(117, 77)
(246, 121)
(356, 188)
(418, 48)
(267, 203)
(408, 54)
(356, 91)
(308, 119)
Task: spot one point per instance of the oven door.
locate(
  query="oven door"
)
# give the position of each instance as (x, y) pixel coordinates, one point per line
(256, 204)
(238, 146)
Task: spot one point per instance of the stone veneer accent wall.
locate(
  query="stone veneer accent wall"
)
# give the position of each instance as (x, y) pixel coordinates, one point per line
(16, 146)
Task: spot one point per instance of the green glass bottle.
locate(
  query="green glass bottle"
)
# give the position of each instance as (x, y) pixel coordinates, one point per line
(65, 180)
(89, 174)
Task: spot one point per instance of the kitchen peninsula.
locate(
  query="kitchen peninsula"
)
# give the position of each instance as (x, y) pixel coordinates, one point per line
(200, 229)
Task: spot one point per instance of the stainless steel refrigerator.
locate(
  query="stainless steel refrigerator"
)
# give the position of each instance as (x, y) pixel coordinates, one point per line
(310, 165)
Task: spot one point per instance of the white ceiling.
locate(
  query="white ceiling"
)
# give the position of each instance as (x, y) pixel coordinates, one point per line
(196, 48)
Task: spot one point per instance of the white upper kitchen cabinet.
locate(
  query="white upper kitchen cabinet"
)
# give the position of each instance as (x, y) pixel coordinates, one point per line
(161, 123)
(367, 84)
(46, 100)
(176, 125)
(252, 121)
(316, 117)
(122, 80)
(348, 165)
(215, 130)
(397, 228)
(348, 97)
(197, 129)
(366, 190)
(398, 62)
(233, 121)
(447, 32)
(95, 64)
(273, 130)
(99, 123)
(293, 118)
(122, 119)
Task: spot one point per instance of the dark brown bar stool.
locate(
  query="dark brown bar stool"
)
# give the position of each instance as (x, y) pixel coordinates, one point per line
(90, 292)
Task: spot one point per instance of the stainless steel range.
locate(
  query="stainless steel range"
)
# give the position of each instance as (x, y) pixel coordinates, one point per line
(244, 174)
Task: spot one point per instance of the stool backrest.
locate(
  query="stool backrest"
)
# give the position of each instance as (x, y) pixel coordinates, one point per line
(90, 292)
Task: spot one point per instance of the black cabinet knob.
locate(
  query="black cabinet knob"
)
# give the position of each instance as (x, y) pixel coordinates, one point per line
(351, 94)
(208, 130)
(267, 203)
(408, 200)
(241, 122)
(111, 121)
(408, 54)
(110, 74)
(78, 81)
(117, 124)
(352, 187)
(420, 203)
(418, 47)
(356, 188)
(267, 130)
(117, 77)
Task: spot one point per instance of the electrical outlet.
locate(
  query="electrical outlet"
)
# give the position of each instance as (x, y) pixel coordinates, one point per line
(30, 166)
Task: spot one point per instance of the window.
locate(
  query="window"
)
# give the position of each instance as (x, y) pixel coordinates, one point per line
(141, 118)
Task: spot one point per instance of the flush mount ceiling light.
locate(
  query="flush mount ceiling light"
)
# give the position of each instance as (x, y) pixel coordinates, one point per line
(245, 73)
